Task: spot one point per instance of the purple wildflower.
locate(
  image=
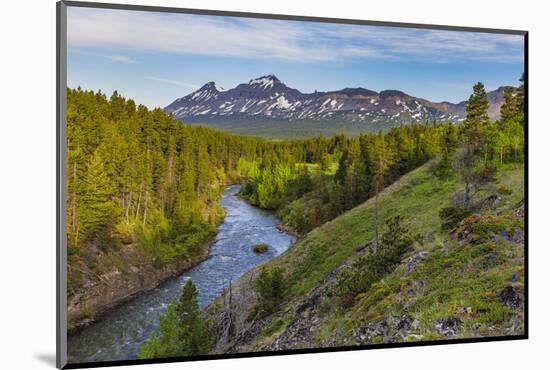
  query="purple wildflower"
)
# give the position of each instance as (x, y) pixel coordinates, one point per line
(421, 283)
(514, 278)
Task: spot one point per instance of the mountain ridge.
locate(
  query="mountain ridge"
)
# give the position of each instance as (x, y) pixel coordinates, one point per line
(268, 98)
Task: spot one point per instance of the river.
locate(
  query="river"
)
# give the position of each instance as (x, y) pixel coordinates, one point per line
(119, 334)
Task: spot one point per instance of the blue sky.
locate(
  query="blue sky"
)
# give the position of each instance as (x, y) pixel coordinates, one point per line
(155, 58)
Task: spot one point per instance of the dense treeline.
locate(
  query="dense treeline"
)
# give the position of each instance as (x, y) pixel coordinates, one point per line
(364, 165)
(135, 174)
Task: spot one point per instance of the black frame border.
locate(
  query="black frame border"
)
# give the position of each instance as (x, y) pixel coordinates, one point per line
(61, 255)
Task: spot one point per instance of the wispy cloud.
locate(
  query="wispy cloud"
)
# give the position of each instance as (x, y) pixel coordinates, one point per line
(121, 59)
(174, 82)
(283, 40)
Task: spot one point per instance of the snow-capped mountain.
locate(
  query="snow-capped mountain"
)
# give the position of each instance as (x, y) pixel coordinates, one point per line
(266, 97)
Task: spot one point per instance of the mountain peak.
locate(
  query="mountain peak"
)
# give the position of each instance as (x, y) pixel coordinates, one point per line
(211, 86)
(392, 93)
(265, 82)
(350, 91)
(208, 91)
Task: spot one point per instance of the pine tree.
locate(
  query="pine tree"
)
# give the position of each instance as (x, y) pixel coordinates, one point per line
(477, 118)
(97, 209)
(304, 181)
(382, 159)
(271, 288)
(477, 107)
(511, 105)
(194, 337)
(445, 167)
(324, 162)
(183, 331)
(340, 174)
(354, 170)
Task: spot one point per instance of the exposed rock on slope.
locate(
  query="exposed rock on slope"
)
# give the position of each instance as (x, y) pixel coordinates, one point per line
(103, 291)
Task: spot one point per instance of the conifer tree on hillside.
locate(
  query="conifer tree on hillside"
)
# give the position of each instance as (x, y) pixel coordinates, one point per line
(270, 287)
(97, 209)
(183, 331)
(474, 172)
(352, 178)
(340, 174)
(194, 336)
(445, 167)
(509, 137)
(304, 181)
(382, 160)
(511, 105)
(477, 107)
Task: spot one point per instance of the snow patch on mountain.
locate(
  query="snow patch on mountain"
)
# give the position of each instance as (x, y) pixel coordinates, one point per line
(264, 82)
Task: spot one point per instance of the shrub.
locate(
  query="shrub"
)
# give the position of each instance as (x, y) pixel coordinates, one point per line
(489, 225)
(71, 251)
(260, 248)
(367, 270)
(271, 288)
(451, 216)
(504, 190)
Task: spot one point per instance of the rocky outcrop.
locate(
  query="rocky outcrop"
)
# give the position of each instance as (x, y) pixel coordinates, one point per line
(448, 327)
(391, 330)
(107, 290)
(513, 296)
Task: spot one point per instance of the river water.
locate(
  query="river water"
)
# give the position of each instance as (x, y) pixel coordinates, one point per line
(119, 335)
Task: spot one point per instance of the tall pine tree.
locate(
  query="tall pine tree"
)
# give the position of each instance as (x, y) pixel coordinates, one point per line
(477, 118)
(97, 209)
(382, 159)
(183, 331)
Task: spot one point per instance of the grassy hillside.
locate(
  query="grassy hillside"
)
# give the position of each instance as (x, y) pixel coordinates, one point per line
(467, 282)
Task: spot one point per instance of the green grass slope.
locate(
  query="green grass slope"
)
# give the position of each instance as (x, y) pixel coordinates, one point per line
(460, 284)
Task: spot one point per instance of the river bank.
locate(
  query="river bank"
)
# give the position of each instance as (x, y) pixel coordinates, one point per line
(122, 329)
(116, 287)
(103, 292)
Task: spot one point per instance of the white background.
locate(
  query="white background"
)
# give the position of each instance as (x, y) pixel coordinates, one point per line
(27, 182)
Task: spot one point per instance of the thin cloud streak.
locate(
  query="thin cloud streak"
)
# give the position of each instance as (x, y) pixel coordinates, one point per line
(282, 40)
(121, 59)
(174, 82)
